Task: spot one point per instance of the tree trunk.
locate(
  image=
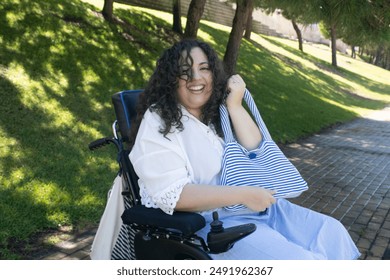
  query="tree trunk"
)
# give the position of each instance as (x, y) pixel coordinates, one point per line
(235, 37)
(385, 60)
(177, 17)
(108, 9)
(353, 52)
(333, 39)
(387, 66)
(249, 21)
(195, 12)
(378, 55)
(371, 59)
(299, 34)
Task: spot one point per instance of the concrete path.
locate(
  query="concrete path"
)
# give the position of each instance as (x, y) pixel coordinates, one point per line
(348, 171)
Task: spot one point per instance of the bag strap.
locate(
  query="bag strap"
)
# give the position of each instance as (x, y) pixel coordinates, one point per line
(225, 122)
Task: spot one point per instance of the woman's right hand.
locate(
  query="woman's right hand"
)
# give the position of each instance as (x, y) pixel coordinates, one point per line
(258, 199)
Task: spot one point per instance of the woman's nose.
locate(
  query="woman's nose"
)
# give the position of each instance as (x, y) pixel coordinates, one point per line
(195, 74)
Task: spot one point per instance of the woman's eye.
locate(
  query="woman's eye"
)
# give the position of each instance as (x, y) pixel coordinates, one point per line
(184, 74)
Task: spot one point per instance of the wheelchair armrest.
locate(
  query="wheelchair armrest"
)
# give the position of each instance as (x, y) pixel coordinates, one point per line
(186, 222)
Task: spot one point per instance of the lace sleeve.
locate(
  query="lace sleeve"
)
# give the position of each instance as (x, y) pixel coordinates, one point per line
(160, 165)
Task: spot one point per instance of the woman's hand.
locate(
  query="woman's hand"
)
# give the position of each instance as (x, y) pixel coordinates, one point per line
(236, 89)
(258, 199)
(246, 130)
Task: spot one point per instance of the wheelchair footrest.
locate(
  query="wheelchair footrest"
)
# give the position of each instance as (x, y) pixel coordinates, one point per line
(186, 222)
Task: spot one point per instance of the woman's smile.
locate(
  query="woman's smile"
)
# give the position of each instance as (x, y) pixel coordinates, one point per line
(196, 89)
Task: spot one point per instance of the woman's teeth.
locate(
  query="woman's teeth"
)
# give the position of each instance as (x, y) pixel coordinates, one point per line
(196, 88)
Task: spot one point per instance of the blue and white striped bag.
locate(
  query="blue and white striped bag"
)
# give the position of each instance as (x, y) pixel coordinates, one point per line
(265, 166)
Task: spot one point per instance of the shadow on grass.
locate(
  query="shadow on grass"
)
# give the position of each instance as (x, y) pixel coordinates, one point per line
(327, 67)
(73, 61)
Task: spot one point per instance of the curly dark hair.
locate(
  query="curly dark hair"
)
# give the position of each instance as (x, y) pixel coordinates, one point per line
(160, 94)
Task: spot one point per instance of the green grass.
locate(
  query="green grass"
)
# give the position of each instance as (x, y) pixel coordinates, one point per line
(59, 64)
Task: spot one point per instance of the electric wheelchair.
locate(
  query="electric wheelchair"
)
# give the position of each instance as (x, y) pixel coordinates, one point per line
(151, 234)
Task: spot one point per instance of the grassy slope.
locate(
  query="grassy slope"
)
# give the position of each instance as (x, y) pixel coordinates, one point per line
(59, 64)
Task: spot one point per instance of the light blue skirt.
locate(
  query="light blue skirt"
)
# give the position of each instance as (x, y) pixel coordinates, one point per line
(286, 231)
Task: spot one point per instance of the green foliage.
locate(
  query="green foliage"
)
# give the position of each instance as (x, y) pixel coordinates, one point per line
(60, 61)
(324, 29)
(359, 23)
(300, 11)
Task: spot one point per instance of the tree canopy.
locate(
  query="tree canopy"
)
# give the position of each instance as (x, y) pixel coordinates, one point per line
(364, 23)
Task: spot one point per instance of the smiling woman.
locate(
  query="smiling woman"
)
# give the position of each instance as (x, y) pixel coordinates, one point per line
(177, 155)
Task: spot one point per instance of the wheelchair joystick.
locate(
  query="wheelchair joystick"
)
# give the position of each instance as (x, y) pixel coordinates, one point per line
(220, 240)
(216, 224)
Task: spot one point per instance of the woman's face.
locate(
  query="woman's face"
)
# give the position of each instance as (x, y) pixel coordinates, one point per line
(195, 82)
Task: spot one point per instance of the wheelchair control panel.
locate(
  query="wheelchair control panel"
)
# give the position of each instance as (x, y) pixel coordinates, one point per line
(220, 240)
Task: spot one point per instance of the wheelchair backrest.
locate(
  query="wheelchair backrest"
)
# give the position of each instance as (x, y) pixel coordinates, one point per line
(125, 103)
(125, 110)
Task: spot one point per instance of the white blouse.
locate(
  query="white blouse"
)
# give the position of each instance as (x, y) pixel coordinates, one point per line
(165, 165)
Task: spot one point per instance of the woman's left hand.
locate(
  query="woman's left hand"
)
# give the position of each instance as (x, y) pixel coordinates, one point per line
(236, 89)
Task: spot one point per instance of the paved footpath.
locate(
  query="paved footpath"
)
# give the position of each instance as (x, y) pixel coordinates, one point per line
(348, 171)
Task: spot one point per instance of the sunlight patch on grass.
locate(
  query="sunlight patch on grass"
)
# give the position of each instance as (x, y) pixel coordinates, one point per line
(217, 26)
(57, 83)
(206, 37)
(276, 49)
(10, 152)
(33, 96)
(100, 3)
(16, 73)
(55, 239)
(89, 79)
(167, 17)
(257, 67)
(57, 48)
(88, 200)
(58, 217)
(17, 176)
(357, 66)
(46, 193)
(8, 144)
(14, 18)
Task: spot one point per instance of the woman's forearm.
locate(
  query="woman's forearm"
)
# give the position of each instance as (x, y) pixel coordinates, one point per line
(246, 130)
(196, 198)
